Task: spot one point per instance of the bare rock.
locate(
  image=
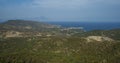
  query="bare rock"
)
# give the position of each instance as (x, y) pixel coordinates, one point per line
(98, 38)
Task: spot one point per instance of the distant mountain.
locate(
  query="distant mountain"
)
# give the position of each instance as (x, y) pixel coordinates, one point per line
(23, 25)
(43, 18)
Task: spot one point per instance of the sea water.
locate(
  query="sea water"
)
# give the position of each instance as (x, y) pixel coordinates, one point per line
(90, 25)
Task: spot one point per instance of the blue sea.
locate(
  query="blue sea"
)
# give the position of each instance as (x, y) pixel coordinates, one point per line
(90, 25)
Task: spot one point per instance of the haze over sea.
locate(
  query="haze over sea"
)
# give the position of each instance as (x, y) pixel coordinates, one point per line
(90, 25)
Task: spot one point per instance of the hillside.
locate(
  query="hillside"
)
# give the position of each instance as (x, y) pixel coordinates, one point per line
(24, 28)
(35, 42)
(23, 25)
(58, 50)
(114, 33)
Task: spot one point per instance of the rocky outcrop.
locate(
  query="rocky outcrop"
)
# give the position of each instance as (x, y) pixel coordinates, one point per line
(98, 38)
(12, 34)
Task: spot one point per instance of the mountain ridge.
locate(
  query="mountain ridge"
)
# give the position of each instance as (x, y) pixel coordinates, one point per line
(25, 25)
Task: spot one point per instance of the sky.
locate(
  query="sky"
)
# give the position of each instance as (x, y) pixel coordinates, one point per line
(61, 10)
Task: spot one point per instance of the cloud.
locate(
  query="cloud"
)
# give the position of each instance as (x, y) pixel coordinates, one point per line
(71, 3)
(60, 3)
(61, 10)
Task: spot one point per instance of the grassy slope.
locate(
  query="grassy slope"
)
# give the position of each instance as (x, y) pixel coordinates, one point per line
(23, 25)
(114, 34)
(57, 50)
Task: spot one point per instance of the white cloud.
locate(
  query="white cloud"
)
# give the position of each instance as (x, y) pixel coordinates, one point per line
(71, 3)
(63, 9)
(60, 3)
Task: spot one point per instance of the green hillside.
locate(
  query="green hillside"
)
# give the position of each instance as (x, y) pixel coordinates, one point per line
(35, 42)
(114, 33)
(58, 50)
(24, 25)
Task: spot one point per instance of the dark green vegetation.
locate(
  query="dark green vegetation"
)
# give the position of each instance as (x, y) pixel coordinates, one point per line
(114, 33)
(20, 44)
(58, 50)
